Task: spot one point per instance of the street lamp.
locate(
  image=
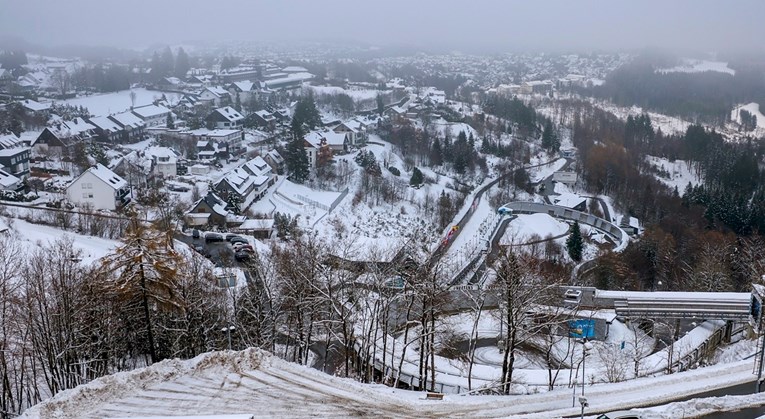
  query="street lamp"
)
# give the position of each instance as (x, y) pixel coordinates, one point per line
(228, 331)
(586, 346)
(583, 403)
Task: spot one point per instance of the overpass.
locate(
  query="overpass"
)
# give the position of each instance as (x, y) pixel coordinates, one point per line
(733, 306)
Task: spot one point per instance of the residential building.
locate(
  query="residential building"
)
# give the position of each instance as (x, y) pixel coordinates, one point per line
(264, 119)
(60, 135)
(152, 115)
(8, 182)
(217, 96)
(164, 161)
(15, 161)
(133, 127)
(247, 182)
(99, 188)
(355, 130)
(225, 118)
(107, 130)
(209, 210)
(566, 178)
(275, 160)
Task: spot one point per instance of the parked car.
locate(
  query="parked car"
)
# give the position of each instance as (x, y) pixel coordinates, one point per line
(241, 247)
(213, 237)
(241, 256)
(195, 233)
(239, 240)
(230, 236)
(177, 188)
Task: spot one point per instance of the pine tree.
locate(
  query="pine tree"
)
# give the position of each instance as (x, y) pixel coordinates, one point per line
(143, 271)
(575, 243)
(416, 178)
(182, 65)
(380, 104)
(297, 160)
(436, 153)
(233, 202)
(550, 141)
(238, 103)
(170, 123)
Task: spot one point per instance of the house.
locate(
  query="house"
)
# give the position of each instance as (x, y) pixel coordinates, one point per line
(164, 161)
(258, 228)
(225, 118)
(107, 130)
(536, 87)
(247, 183)
(566, 178)
(286, 81)
(133, 127)
(508, 90)
(15, 161)
(631, 225)
(133, 168)
(264, 119)
(152, 115)
(60, 135)
(217, 96)
(245, 89)
(34, 107)
(8, 182)
(355, 130)
(99, 188)
(569, 200)
(336, 141)
(209, 210)
(275, 160)
(224, 141)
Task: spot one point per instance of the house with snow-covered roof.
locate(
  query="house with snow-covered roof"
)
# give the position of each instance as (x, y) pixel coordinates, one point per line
(8, 182)
(225, 118)
(152, 115)
(60, 135)
(264, 119)
(570, 200)
(164, 161)
(208, 210)
(217, 96)
(247, 183)
(107, 130)
(133, 127)
(99, 188)
(336, 141)
(14, 156)
(276, 161)
(355, 130)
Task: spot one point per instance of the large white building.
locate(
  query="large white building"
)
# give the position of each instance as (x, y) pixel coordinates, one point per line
(99, 188)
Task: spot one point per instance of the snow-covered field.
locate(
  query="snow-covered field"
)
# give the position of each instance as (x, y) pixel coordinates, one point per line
(678, 171)
(528, 226)
(358, 95)
(754, 109)
(699, 66)
(35, 236)
(111, 103)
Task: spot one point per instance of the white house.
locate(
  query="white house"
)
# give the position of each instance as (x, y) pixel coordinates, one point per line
(355, 130)
(566, 178)
(215, 95)
(152, 115)
(99, 188)
(164, 161)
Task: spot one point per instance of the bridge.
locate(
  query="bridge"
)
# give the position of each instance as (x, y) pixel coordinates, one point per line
(733, 306)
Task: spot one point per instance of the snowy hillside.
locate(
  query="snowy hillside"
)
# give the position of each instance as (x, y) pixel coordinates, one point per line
(699, 66)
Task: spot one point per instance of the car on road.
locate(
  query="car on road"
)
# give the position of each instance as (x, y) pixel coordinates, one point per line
(213, 237)
(195, 233)
(175, 187)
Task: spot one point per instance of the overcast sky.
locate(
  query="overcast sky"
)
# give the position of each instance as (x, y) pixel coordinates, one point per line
(533, 24)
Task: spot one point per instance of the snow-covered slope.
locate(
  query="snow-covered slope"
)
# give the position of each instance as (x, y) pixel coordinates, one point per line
(257, 383)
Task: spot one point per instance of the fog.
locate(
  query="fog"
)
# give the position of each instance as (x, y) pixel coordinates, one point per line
(500, 24)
